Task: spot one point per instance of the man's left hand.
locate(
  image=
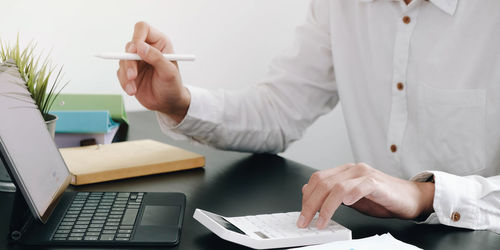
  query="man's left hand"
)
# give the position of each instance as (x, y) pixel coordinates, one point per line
(365, 189)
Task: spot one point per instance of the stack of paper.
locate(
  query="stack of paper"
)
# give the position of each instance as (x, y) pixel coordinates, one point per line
(385, 241)
(85, 118)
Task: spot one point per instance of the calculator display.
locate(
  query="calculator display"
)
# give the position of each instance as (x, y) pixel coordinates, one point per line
(224, 223)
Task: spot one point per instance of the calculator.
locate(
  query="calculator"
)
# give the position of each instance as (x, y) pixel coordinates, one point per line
(264, 231)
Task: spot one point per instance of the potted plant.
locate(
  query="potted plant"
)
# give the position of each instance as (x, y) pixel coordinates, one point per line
(41, 81)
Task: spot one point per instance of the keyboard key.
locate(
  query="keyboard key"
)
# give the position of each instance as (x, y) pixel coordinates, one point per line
(78, 230)
(94, 229)
(90, 238)
(123, 194)
(123, 235)
(62, 231)
(107, 237)
(81, 226)
(92, 234)
(122, 239)
(64, 227)
(75, 238)
(124, 231)
(96, 225)
(130, 216)
(108, 231)
(76, 234)
(59, 238)
(125, 227)
(60, 235)
(110, 227)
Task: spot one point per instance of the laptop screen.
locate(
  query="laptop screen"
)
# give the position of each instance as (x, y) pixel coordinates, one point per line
(28, 149)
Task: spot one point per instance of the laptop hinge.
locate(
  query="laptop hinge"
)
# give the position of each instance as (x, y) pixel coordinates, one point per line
(21, 218)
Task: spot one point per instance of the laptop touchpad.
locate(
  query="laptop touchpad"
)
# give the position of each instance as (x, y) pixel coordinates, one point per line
(160, 216)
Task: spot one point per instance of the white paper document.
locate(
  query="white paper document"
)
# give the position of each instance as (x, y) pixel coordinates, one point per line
(385, 241)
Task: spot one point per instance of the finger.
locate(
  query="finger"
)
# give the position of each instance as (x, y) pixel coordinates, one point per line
(313, 202)
(344, 172)
(304, 188)
(367, 187)
(143, 32)
(357, 187)
(130, 65)
(322, 175)
(128, 86)
(154, 57)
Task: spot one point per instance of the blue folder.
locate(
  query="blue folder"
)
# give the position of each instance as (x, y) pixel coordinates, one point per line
(92, 121)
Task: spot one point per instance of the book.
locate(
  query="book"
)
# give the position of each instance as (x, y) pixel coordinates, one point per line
(112, 103)
(68, 140)
(89, 121)
(100, 163)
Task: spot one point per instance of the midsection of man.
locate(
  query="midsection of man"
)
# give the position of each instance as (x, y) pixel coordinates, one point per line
(430, 86)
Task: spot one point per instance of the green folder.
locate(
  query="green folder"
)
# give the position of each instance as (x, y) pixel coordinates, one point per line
(73, 102)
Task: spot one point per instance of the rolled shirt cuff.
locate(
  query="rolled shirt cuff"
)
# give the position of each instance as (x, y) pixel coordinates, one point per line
(204, 113)
(454, 200)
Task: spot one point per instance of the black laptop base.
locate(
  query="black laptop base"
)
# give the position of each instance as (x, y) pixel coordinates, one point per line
(103, 219)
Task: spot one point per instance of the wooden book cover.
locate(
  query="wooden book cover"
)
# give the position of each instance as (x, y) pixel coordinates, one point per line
(121, 160)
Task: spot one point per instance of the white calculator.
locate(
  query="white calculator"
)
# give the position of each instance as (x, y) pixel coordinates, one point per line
(270, 230)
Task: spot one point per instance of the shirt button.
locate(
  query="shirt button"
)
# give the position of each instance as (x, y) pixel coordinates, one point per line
(406, 19)
(400, 86)
(394, 148)
(455, 216)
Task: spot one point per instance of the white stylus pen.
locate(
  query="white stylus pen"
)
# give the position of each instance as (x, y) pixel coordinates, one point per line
(135, 57)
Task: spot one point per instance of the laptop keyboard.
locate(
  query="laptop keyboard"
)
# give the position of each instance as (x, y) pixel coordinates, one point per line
(98, 216)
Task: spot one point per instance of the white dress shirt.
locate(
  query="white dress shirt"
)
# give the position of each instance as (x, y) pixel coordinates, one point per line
(419, 87)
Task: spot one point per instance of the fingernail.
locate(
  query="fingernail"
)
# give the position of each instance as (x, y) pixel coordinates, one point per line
(130, 89)
(301, 222)
(143, 48)
(130, 74)
(321, 222)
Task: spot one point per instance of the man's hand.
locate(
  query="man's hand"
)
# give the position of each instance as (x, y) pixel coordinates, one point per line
(365, 189)
(155, 82)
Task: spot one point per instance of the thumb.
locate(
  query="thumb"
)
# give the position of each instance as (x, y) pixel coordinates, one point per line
(152, 56)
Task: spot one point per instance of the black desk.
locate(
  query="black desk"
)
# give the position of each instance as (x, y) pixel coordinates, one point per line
(236, 184)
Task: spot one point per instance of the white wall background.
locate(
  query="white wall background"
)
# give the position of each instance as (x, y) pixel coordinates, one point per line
(234, 42)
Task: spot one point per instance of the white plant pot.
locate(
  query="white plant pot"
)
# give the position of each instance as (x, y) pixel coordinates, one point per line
(6, 184)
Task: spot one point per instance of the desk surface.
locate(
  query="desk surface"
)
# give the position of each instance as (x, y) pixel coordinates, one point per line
(235, 184)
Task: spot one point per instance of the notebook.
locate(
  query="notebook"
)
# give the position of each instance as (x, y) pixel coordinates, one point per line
(100, 163)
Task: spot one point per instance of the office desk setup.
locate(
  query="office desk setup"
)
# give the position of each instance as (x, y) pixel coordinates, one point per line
(237, 184)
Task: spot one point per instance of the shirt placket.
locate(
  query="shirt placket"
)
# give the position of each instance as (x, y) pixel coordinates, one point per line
(399, 109)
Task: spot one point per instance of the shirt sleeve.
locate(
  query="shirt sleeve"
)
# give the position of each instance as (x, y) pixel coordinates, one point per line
(299, 88)
(471, 202)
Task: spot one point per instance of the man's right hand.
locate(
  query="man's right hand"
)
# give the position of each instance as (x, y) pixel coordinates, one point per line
(155, 81)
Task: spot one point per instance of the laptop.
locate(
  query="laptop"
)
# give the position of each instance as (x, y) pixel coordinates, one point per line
(44, 213)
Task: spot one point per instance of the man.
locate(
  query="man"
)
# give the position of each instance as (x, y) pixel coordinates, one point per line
(420, 87)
